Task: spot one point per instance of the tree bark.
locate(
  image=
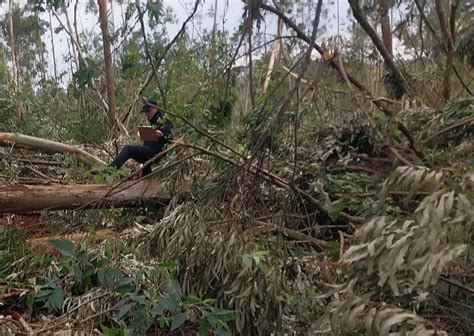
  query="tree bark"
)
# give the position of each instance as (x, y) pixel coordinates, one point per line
(48, 146)
(27, 198)
(386, 28)
(109, 72)
(214, 25)
(41, 51)
(52, 46)
(448, 43)
(14, 55)
(274, 54)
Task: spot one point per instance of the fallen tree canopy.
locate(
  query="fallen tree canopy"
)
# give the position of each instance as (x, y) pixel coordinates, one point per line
(48, 146)
(26, 198)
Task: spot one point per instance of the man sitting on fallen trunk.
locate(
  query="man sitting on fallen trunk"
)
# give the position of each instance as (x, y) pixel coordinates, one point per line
(149, 149)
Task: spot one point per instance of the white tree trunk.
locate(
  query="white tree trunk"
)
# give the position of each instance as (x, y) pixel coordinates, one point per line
(12, 46)
(48, 146)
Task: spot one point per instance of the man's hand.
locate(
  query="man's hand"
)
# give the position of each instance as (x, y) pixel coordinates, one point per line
(158, 132)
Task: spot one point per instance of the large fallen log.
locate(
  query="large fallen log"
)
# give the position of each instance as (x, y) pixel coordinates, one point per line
(48, 146)
(26, 198)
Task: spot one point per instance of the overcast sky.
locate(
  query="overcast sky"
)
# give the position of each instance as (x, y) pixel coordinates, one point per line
(230, 9)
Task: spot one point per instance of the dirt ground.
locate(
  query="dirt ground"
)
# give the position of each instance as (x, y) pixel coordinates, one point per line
(31, 224)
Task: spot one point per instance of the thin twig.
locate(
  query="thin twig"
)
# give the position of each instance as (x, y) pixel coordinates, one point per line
(320, 244)
(468, 289)
(400, 158)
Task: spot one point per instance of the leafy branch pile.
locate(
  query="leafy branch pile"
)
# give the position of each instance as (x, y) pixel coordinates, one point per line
(328, 195)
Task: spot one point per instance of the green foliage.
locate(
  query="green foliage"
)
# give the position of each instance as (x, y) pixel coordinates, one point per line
(51, 295)
(407, 255)
(84, 76)
(7, 108)
(12, 250)
(121, 330)
(256, 257)
(81, 269)
(271, 282)
(107, 174)
(217, 320)
(28, 30)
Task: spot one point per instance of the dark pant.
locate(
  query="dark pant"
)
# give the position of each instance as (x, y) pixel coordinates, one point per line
(138, 153)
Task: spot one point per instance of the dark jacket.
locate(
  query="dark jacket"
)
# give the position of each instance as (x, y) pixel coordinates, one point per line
(166, 127)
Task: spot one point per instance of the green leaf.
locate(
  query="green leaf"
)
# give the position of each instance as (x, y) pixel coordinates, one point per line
(213, 320)
(109, 179)
(108, 331)
(170, 302)
(125, 285)
(66, 247)
(77, 273)
(43, 294)
(137, 298)
(336, 208)
(156, 309)
(247, 260)
(203, 324)
(109, 276)
(163, 321)
(174, 287)
(224, 314)
(191, 299)
(57, 298)
(122, 312)
(178, 321)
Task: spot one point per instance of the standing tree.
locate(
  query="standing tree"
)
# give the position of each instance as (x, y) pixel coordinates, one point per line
(109, 72)
(52, 45)
(14, 57)
(385, 24)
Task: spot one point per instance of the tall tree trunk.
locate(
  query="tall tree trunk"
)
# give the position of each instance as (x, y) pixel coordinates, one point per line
(112, 26)
(109, 75)
(214, 26)
(449, 49)
(52, 47)
(249, 39)
(41, 53)
(14, 55)
(386, 27)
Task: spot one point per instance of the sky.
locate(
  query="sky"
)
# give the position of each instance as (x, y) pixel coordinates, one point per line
(232, 10)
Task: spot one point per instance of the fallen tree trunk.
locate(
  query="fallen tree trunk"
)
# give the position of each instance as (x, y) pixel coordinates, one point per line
(48, 146)
(26, 198)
